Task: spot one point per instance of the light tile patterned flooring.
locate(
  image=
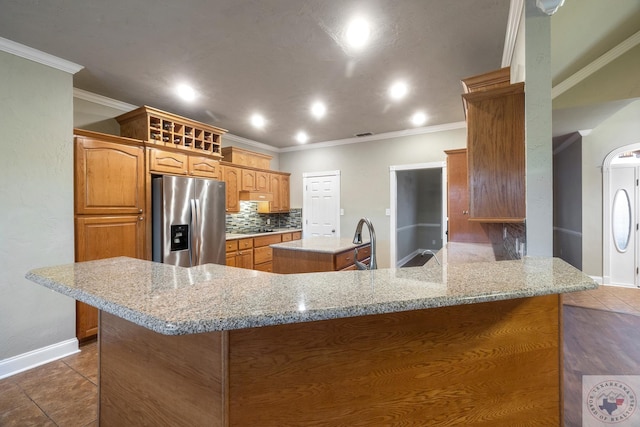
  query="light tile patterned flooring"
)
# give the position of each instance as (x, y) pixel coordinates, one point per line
(64, 393)
(61, 393)
(608, 298)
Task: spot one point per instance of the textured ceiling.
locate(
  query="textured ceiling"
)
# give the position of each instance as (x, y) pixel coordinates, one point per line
(271, 56)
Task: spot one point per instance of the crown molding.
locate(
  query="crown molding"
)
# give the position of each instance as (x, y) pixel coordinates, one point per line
(596, 65)
(386, 135)
(38, 56)
(516, 9)
(250, 142)
(103, 100)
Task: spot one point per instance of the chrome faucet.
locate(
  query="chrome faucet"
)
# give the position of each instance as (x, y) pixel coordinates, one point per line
(357, 239)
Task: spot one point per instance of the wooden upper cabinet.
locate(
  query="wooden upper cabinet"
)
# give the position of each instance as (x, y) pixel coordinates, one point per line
(109, 175)
(460, 229)
(164, 161)
(231, 177)
(496, 153)
(279, 186)
(205, 167)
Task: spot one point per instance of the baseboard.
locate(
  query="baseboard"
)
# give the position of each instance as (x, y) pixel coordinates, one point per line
(599, 279)
(40, 356)
(406, 259)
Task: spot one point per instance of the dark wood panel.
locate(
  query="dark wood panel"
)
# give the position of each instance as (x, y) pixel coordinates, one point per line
(287, 261)
(485, 364)
(152, 379)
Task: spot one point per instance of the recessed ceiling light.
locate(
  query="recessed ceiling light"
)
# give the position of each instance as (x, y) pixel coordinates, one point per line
(318, 109)
(257, 120)
(302, 137)
(419, 118)
(186, 92)
(358, 32)
(398, 90)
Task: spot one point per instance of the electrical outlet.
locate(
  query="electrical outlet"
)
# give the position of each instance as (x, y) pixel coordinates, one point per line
(433, 242)
(268, 221)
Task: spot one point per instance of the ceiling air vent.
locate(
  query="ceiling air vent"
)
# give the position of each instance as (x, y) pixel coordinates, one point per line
(364, 134)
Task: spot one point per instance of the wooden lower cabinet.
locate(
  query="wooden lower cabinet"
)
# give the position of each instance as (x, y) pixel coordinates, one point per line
(99, 237)
(240, 253)
(487, 364)
(255, 253)
(286, 261)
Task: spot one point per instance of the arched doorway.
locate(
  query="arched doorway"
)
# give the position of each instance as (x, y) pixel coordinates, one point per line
(621, 216)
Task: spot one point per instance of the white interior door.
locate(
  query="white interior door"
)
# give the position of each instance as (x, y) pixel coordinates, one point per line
(623, 230)
(321, 204)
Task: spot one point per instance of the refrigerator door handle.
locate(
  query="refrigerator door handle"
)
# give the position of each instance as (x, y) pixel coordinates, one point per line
(193, 254)
(199, 233)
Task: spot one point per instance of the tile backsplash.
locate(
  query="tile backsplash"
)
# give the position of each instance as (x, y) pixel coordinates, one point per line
(249, 219)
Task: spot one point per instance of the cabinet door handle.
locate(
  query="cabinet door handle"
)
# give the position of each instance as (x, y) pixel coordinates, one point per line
(139, 210)
(140, 218)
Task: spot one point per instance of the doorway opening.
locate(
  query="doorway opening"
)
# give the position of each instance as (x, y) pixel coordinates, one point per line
(621, 218)
(321, 204)
(418, 210)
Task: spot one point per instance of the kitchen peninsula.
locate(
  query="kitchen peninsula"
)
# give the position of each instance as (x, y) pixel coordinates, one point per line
(452, 344)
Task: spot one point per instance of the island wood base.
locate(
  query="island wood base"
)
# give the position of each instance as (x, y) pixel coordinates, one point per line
(487, 364)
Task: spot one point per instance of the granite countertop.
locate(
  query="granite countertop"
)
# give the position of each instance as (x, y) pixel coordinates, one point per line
(175, 300)
(234, 236)
(457, 252)
(331, 245)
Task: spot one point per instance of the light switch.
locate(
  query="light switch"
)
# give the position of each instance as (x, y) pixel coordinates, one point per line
(387, 212)
(341, 212)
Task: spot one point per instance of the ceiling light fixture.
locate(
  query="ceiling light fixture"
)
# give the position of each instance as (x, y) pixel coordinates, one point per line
(419, 118)
(318, 110)
(398, 90)
(358, 32)
(186, 92)
(302, 137)
(258, 121)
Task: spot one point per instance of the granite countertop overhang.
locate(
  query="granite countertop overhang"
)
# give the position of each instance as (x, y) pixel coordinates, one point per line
(175, 300)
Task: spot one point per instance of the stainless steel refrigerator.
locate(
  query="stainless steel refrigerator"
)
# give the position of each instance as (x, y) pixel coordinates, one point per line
(188, 221)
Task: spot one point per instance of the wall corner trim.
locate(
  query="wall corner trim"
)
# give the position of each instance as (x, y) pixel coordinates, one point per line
(38, 56)
(37, 357)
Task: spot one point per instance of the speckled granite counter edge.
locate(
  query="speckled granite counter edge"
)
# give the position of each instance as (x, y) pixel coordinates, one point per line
(294, 316)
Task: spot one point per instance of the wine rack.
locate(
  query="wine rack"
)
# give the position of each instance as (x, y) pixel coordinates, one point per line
(168, 130)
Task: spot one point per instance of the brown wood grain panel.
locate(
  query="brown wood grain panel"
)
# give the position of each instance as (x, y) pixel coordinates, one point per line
(266, 240)
(496, 158)
(490, 364)
(245, 243)
(167, 161)
(287, 262)
(152, 379)
(262, 254)
(109, 177)
(459, 227)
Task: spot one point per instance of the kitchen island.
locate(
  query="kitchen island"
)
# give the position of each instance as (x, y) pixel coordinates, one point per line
(453, 344)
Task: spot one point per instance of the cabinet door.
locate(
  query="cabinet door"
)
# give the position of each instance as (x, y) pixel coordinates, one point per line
(204, 167)
(167, 162)
(104, 237)
(460, 228)
(232, 180)
(245, 259)
(109, 177)
(275, 205)
(232, 259)
(262, 181)
(496, 155)
(248, 182)
(284, 194)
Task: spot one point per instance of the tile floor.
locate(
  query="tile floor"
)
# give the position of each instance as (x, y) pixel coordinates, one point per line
(61, 393)
(64, 393)
(608, 298)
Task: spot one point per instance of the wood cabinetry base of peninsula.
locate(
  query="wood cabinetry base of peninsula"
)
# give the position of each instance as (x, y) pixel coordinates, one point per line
(487, 364)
